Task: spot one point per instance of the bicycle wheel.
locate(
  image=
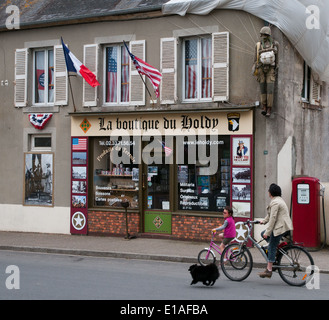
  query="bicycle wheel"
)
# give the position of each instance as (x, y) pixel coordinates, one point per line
(236, 262)
(293, 265)
(206, 257)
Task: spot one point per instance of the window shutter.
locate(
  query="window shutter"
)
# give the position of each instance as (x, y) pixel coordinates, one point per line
(60, 77)
(168, 92)
(90, 60)
(21, 77)
(315, 92)
(136, 88)
(220, 53)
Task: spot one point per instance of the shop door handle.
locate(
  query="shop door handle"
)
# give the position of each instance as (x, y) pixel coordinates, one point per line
(144, 181)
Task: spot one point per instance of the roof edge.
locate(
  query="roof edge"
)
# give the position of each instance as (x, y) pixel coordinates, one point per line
(119, 15)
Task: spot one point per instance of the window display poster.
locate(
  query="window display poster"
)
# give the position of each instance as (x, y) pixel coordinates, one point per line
(241, 209)
(79, 185)
(38, 184)
(241, 175)
(241, 151)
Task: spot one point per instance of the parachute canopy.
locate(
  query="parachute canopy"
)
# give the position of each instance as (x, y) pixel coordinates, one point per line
(304, 22)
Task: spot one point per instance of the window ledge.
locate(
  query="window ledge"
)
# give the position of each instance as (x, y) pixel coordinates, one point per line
(41, 109)
(308, 105)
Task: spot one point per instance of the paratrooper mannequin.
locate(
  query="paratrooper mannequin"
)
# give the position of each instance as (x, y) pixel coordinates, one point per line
(265, 68)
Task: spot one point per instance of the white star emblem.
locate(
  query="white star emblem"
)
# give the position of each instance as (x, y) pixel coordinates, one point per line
(241, 231)
(78, 220)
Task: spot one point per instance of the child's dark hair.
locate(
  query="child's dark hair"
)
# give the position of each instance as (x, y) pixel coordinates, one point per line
(229, 210)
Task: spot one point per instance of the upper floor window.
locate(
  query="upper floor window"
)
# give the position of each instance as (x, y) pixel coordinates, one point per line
(311, 91)
(197, 68)
(116, 75)
(43, 75)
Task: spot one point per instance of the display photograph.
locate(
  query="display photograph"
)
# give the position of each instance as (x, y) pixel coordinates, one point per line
(38, 186)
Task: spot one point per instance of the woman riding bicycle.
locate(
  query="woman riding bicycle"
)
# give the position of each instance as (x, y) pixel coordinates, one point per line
(279, 223)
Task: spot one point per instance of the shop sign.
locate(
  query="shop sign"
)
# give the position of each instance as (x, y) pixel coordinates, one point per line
(169, 124)
(157, 222)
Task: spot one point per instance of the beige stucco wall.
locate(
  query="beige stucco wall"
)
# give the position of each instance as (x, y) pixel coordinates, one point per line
(15, 126)
(307, 128)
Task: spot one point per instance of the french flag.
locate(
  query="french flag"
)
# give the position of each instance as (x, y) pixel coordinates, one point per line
(74, 65)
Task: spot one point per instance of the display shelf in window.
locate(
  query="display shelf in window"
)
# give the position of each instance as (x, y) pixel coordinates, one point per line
(115, 174)
(115, 185)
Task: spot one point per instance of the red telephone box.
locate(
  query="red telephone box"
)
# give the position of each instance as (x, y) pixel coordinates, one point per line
(306, 211)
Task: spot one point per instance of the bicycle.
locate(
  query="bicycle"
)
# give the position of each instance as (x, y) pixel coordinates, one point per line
(207, 256)
(291, 260)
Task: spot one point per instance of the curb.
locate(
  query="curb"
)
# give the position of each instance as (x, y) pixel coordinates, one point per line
(106, 254)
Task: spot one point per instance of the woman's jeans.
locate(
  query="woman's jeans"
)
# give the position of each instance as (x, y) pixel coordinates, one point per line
(273, 242)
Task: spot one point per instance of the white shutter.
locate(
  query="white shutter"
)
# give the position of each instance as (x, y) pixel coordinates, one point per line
(315, 97)
(220, 55)
(136, 85)
(21, 77)
(60, 77)
(168, 92)
(90, 60)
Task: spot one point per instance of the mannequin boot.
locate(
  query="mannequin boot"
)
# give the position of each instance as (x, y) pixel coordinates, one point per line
(264, 110)
(268, 111)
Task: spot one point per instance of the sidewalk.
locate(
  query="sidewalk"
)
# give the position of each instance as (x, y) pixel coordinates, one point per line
(118, 247)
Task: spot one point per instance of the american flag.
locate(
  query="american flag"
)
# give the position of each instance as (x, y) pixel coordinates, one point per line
(144, 68)
(166, 149)
(79, 144)
(206, 68)
(191, 67)
(124, 75)
(111, 89)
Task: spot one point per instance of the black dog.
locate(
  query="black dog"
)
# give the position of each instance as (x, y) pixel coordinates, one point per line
(206, 274)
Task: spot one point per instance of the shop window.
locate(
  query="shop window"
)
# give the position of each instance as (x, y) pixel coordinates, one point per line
(116, 176)
(116, 75)
(158, 177)
(43, 75)
(204, 182)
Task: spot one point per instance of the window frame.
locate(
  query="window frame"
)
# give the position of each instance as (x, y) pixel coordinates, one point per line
(199, 69)
(46, 61)
(311, 91)
(119, 77)
(306, 91)
(33, 148)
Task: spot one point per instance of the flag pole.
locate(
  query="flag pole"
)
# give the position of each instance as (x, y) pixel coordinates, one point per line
(74, 108)
(139, 74)
(147, 88)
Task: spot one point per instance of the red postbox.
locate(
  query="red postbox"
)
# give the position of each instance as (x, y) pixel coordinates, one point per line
(306, 211)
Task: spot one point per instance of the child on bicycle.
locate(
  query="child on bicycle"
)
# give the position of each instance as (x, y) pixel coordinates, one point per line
(229, 228)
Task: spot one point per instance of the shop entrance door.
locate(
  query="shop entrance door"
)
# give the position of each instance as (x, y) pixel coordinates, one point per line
(156, 196)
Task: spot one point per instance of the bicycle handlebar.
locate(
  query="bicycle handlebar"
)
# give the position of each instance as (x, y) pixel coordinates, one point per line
(251, 222)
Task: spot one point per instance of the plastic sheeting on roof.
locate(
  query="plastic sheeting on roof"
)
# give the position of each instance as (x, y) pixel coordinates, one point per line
(304, 22)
